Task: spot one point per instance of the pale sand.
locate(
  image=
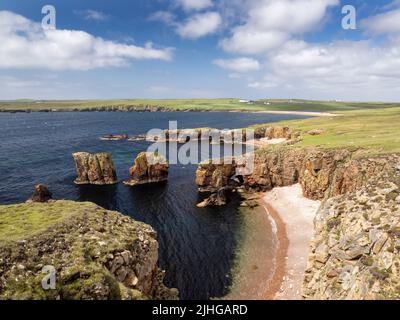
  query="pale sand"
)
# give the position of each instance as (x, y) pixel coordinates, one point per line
(295, 230)
(265, 142)
(303, 113)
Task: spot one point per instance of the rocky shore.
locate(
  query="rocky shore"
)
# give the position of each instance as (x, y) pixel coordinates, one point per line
(96, 254)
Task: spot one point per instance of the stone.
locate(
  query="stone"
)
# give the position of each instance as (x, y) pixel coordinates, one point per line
(97, 169)
(41, 194)
(321, 253)
(315, 132)
(148, 167)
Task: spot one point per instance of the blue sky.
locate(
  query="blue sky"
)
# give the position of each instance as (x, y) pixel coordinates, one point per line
(200, 49)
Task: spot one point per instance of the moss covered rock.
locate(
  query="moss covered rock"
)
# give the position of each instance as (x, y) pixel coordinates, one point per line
(95, 253)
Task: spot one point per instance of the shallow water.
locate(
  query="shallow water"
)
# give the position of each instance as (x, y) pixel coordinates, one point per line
(197, 246)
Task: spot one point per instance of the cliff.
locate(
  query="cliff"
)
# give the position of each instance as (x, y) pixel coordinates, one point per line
(97, 254)
(355, 253)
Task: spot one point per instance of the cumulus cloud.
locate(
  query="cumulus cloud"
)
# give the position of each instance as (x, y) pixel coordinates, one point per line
(347, 69)
(24, 44)
(239, 64)
(384, 23)
(271, 23)
(199, 25)
(189, 5)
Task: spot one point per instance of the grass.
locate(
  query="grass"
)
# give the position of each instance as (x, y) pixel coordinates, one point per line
(23, 221)
(377, 130)
(193, 104)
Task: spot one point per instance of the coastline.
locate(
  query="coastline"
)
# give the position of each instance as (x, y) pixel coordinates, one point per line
(278, 230)
(294, 217)
(171, 110)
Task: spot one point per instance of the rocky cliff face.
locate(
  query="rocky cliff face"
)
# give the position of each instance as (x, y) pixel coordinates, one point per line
(148, 168)
(321, 173)
(94, 168)
(355, 253)
(97, 254)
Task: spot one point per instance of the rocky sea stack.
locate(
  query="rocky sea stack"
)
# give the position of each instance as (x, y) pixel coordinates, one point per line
(95, 254)
(149, 167)
(41, 194)
(95, 169)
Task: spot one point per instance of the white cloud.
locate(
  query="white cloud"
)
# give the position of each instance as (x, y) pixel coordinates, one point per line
(189, 5)
(269, 24)
(163, 16)
(384, 23)
(93, 15)
(24, 44)
(199, 25)
(239, 64)
(343, 69)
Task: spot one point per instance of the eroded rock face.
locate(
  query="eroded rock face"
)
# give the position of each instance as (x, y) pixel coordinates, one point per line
(321, 173)
(97, 255)
(148, 168)
(41, 194)
(95, 169)
(355, 253)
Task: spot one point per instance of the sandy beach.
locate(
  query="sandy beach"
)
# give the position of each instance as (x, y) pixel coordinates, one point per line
(275, 246)
(293, 215)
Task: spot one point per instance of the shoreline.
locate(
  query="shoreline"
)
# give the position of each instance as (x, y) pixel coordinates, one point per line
(166, 110)
(294, 217)
(274, 246)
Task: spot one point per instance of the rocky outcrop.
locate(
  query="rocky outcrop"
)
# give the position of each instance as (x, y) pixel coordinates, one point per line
(41, 194)
(321, 173)
(148, 168)
(221, 136)
(355, 253)
(95, 169)
(115, 137)
(96, 254)
(217, 198)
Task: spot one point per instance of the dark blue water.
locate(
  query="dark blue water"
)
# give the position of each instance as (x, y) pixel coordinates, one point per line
(197, 246)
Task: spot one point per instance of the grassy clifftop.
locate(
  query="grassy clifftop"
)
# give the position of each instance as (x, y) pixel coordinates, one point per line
(96, 253)
(193, 104)
(375, 129)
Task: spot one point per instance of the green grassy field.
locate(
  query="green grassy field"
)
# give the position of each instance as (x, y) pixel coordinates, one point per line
(194, 104)
(376, 130)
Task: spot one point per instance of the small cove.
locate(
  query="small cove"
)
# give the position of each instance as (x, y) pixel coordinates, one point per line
(197, 247)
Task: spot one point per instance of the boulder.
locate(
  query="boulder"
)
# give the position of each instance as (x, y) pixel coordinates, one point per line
(149, 167)
(41, 194)
(95, 169)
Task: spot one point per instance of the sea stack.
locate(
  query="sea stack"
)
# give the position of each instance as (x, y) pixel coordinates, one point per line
(95, 169)
(149, 167)
(41, 194)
